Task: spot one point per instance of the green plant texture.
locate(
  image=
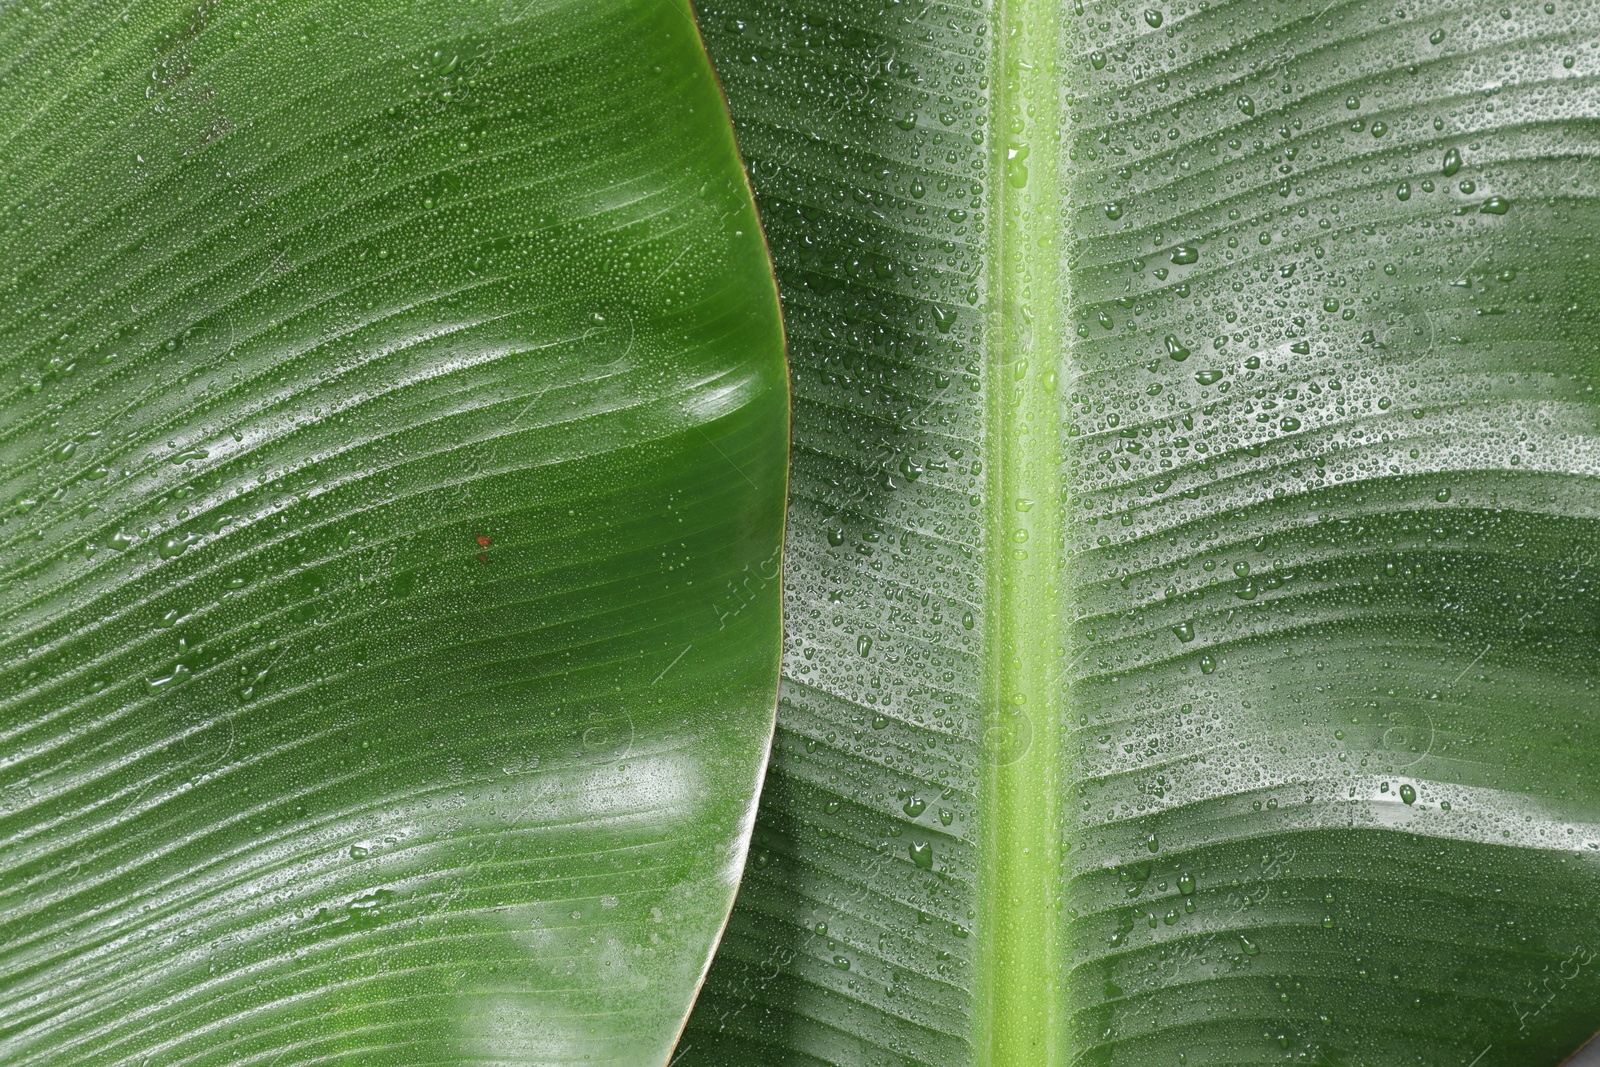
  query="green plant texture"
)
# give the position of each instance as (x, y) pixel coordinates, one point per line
(1193, 533)
(1188, 577)
(393, 428)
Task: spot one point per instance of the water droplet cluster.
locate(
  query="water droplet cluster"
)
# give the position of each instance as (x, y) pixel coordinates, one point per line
(1330, 442)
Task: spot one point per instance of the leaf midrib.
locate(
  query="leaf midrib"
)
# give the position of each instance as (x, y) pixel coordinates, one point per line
(1019, 968)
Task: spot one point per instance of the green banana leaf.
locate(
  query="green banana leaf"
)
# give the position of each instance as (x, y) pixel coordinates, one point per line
(393, 432)
(1193, 538)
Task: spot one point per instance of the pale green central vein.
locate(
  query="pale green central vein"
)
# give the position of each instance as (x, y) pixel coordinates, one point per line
(1020, 1018)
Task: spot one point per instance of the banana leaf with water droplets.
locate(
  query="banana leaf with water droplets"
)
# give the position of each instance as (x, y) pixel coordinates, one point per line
(1192, 600)
(393, 432)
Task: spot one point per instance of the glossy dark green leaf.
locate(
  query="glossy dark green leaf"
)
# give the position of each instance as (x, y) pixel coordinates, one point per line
(1193, 544)
(393, 426)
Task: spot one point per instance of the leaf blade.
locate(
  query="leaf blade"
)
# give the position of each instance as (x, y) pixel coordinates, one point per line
(417, 384)
(1221, 191)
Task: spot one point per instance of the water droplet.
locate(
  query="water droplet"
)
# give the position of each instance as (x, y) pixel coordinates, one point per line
(922, 854)
(914, 807)
(369, 903)
(1442, 495)
(1452, 161)
(179, 675)
(864, 645)
(1207, 664)
(174, 545)
(1184, 631)
(359, 852)
(1404, 192)
(1495, 205)
(1408, 793)
(1175, 349)
(1185, 254)
(1290, 424)
(1016, 168)
(1186, 884)
(841, 963)
(1152, 18)
(1208, 377)
(1250, 947)
(1246, 105)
